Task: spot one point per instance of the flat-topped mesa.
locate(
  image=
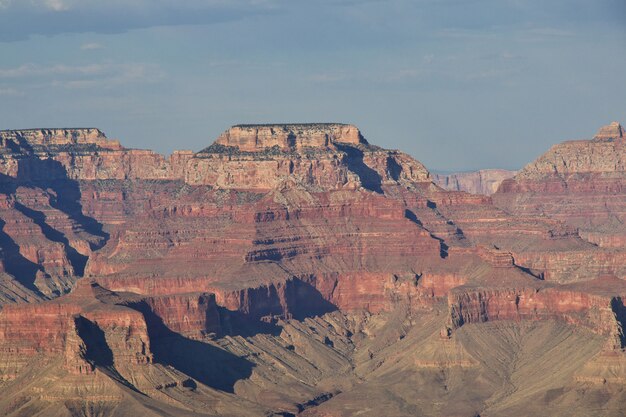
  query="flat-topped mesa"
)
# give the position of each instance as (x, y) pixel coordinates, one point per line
(51, 138)
(256, 138)
(610, 133)
(82, 154)
(325, 156)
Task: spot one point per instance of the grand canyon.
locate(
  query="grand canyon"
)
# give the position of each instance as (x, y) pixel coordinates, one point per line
(300, 270)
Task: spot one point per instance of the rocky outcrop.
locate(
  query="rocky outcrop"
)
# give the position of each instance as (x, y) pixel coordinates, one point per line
(96, 328)
(256, 157)
(260, 172)
(288, 137)
(604, 154)
(596, 305)
(324, 156)
(82, 327)
(578, 182)
(50, 138)
(81, 154)
(610, 133)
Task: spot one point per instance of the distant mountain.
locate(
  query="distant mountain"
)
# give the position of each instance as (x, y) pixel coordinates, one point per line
(484, 181)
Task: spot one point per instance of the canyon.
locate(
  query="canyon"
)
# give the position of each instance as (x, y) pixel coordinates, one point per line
(298, 270)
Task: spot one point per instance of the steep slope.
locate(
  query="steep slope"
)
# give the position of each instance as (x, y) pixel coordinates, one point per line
(578, 182)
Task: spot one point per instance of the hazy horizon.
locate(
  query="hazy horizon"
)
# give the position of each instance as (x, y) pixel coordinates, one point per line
(458, 85)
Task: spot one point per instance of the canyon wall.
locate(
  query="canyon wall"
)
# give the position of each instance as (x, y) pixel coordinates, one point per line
(193, 277)
(578, 182)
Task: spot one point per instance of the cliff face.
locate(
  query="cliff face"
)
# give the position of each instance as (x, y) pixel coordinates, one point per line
(81, 154)
(287, 137)
(589, 306)
(324, 156)
(50, 138)
(603, 156)
(244, 157)
(484, 181)
(270, 271)
(578, 182)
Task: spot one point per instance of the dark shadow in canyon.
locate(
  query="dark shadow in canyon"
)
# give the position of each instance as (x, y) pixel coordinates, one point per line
(526, 270)
(77, 260)
(236, 323)
(413, 217)
(97, 350)
(443, 247)
(204, 362)
(50, 178)
(370, 179)
(393, 168)
(307, 301)
(50, 174)
(24, 271)
(303, 301)
(617, 305)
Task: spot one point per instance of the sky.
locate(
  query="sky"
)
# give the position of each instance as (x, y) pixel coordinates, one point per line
(457, 84)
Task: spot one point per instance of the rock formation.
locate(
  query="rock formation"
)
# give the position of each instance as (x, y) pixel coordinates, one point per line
(296, 269)
(578, 182)
(289, 137)
(610, 133)
(484, 181)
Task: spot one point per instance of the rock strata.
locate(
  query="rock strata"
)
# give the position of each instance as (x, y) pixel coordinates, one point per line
(288, 137)
(578, 182)
(297, 269)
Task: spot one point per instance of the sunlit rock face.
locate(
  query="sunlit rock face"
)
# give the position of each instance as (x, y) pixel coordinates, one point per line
(256, 138)
(581, 183)
(326, 156)
(611, 133)
(297, 269)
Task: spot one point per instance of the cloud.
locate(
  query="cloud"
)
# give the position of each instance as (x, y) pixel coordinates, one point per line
(466, 34)
(501, 56)
(10, 92)
(330, 77)
(52, 17)
(405, 74)
(56, 5)
(30, 70)
(100, 75)
(550, 32)
(489, 73)
(91, 46)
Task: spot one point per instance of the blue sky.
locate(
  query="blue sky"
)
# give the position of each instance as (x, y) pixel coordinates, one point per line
(458, 84)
